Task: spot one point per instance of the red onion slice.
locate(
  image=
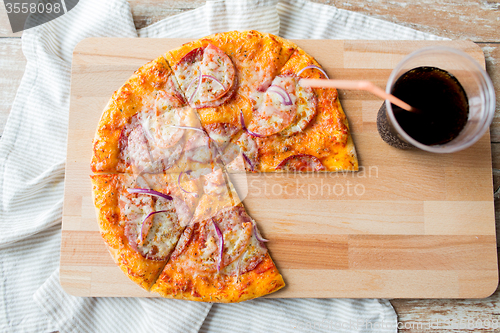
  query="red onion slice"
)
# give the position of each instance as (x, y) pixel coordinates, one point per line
(245, 157)
(220, 244)
(149, 192)
(214, 79)
(196, 90)
(194, 80)
(145, 130)
(257, 234)
(242, 119)
(315, 67)
(144, 222)
(179, 182)
(282, 93)
(187, 127)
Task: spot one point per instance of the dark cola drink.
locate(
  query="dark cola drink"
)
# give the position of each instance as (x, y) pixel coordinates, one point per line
(441, 101)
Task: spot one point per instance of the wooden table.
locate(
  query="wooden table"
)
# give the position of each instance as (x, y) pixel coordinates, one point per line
(476, 20)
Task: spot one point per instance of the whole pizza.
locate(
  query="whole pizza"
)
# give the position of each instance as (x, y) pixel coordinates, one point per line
(168, 141)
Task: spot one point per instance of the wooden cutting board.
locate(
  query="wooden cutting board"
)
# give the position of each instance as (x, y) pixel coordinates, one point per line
(409, 224)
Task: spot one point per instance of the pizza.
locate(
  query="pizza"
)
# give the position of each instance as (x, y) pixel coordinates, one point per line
(170, 137)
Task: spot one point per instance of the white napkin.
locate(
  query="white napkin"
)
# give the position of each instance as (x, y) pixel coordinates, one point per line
(32, 156)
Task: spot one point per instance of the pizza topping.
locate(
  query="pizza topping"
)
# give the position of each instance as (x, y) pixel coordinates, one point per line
(170, 96)
(241, 154)
(183, 210)
(252, 256)
(214, 183)
(188, 128)
(160, 131)
(242, 119)
(149, 192)
(210, 77)
(249, 149)
(275, 109)
(164, 128)
(197, 84)
(151, 226)
(146, 226)
(286, 100)
(314, 67)
(223, 99)
(179, 182)
(164, 159)
(248, 162)
(220, 244)
(257, 77)
(307, 103)
(198, 148)
(205, 74)
(180, 186)
(221, 133)
(221, 239)
(257, 233)
(237, 230)
(137, 148)
(301, 162)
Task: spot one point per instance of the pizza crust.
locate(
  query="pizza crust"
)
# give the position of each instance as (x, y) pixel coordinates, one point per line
(262, 280)
(140, 270)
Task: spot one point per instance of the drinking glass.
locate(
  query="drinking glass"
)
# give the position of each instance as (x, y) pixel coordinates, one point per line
(474, 80)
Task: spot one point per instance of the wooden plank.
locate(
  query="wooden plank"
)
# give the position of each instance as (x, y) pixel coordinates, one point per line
(12, 64)
(388, 222)
(424, 19)
(147, 12)
(471, 19)
(475, 20)
(5, 29)
(447, 315)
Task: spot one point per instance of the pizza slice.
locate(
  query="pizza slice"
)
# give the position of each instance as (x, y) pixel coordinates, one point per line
(298, 128)
(220, 259)
(220, 73)
(150, 84)
(142, 218)
(148, 127)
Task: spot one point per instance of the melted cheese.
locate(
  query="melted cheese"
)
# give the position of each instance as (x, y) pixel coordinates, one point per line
(204, 252)
(276, 108)
(306, 110)
(161, 232)
(205, 76)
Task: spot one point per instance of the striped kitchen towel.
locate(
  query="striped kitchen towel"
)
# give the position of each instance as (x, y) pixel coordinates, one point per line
(32, 157)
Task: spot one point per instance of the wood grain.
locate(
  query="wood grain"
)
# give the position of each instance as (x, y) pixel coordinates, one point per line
(410, 312)
(448, 18)
(147, 12)
(475, 20)
(378, 226)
